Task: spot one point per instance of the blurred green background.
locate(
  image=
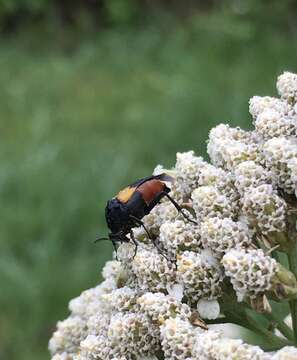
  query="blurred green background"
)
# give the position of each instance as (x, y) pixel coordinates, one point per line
(93, 95)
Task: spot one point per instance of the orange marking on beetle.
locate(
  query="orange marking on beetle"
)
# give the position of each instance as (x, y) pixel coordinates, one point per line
(125, 194)
(150, 188)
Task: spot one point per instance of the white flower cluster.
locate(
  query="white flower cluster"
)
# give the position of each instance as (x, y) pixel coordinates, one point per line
(177, 236)
(150, 270)
(286, 353)
(265, 210)
(201, 278)
(287, 87)
(152, 301)
(228, 147)
(222, 235)
(280, 156)
(250, 271)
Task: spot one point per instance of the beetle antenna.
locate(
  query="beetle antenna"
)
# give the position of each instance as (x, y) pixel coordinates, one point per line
(99, 239)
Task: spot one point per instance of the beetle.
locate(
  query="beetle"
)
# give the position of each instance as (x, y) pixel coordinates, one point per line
(131, 204)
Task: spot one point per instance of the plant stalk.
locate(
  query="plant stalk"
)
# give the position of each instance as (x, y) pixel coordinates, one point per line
(272, 340)
(281, 326)
(292, 256)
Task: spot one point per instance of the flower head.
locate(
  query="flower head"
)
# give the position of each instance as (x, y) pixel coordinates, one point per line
(177, 236)
(177, 339)
(279, 155)
(208, 201)
(271, 123)
(201, 278)
(152, 271)
(250, 271)
(260, 104)
(286, 353)
(166, 287)
(265, 210)
(222, 235)
(68, 335)
(287, 86)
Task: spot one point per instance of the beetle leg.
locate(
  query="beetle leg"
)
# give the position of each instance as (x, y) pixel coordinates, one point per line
(115, 249)
(178, 208)
(139, 222)
(160, 251)
(134, 242)
(155, 201)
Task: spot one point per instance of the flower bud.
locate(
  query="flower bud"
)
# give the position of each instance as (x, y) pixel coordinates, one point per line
(287, 86)
(283, 284)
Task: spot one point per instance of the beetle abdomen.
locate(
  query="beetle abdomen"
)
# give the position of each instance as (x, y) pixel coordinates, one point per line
(150, 189)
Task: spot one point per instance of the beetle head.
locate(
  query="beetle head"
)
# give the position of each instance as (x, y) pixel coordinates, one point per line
(118, 237)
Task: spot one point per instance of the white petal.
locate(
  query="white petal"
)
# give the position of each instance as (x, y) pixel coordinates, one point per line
(208, 309)
(176, 291)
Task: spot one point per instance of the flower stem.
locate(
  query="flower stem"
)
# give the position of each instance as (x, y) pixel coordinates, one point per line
(292, 256)
(272, 340)
(281, 326)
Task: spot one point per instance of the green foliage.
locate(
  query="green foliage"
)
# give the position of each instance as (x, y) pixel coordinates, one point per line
(121, 11)
(91, 14)
(75, 128)
(13, 6)
(265, 15)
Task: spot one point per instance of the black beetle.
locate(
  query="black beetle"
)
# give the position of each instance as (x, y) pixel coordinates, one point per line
(131, 204)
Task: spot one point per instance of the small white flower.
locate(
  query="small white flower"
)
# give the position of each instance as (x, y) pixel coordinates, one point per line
(208, 256)
(250, 271)
(187, 171)
(129, 334)
(249, 174)
(222, 180)
(287, 86)
(159, 307)
(177, 339)
(228, 147)
(178, 236)
(271, 124)
(200, 278)
(233, 349)
(208, 309)
(95, 347)
(279, 153)
(286, 353)
(68, 335)
(221, 235)
(208, 201)
(176, 291)
(126, 252)
(111, 269)
(98, 323)
(264, 209)
(63, 356)
(151, 270)
(122, 299)
(259, 104)
(159, 169)
(163, 212)
(203, 348)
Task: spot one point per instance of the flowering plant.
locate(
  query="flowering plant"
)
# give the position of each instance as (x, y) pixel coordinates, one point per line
(223, 269)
